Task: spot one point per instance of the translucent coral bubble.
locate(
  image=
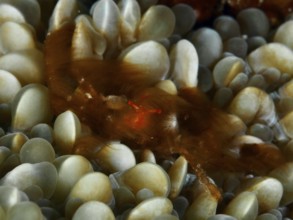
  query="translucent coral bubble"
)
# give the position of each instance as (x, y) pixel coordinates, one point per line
(30, 9)
(15, 196)
(255, 42)
(65, 11)
(253, 22)
(177, 174)
(286, 123)
(146, 175)
(15, 36)
(236, 46)
(227, 27)
(157, 22)
(37, 150)
(42, 130)
(26, 65)
(239, 82)
(92, 186)
(24, 210)
(208, 44)
(9, 86)
(26, 175)
(30, 107)
(268, 191)
(202, 207)
(70, 169)
(272, 55)
(185, 18)
(115, 157)
(253, 105)
(67, 129)
(243, 206)
(227, 69)
(107, 18)
(94, 210)
(130, 18)
(148, 209)
(86, 41)
(284, 34)
(285, 175)
(13, 141)
(10, 13)
(286, 94)
(184, 64)
(261, 131)
(150, 55)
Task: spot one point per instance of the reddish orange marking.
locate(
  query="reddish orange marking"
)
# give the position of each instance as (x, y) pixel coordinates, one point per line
(140, 118)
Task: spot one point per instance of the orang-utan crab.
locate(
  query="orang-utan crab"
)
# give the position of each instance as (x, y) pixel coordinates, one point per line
(119, 101)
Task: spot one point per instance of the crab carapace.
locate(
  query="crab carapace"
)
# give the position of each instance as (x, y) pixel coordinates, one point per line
(119, 101)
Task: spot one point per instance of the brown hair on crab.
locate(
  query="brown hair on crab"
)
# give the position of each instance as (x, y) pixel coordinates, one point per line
(119, 101)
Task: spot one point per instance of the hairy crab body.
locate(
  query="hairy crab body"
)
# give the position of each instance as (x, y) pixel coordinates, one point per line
(119, 101)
